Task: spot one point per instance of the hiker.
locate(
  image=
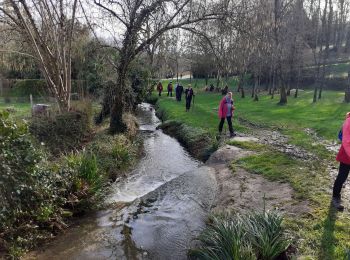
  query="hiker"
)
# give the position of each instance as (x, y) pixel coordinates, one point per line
(343, 158)
(160, 88)
(170, 89)
(179, 91)
(226, 109)
(188, 94)
(211, 89)
(224, 90)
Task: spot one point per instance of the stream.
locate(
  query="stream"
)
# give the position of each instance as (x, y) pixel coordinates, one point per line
(154, 213)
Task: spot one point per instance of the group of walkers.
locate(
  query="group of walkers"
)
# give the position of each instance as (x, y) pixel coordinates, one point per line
(179, 90)
(226, 106)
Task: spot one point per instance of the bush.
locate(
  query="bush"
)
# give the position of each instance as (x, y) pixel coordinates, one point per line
(114, 153)
(152, 99)
(62, 132)
(251, 236)
(36, 196)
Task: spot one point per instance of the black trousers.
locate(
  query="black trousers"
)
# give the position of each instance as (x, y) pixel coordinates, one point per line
(171, 93)
(229, 122)
(341, 179)
(160, 93)
(188, 102)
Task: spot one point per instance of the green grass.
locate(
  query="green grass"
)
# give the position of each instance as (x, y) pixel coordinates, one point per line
(17, 110)
(248, 145)
(325, 117)
(321, 234)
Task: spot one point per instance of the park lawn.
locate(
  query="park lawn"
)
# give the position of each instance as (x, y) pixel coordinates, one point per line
(325, 117)
(16, 110)
(321, 234)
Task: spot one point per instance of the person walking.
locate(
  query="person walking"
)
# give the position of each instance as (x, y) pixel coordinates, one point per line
(226, 109)
(179, 91)
(343, 158)
(159, 88)
(189, 94)
(170, 89)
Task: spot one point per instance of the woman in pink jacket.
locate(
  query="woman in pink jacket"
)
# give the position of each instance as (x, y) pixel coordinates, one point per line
(226, 109)
(344, 158)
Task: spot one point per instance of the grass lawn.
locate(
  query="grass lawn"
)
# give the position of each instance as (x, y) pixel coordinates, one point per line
(17, 110)
(321, 234)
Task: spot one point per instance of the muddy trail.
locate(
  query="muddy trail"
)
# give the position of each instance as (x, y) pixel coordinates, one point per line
(276, 140)
(281, 143)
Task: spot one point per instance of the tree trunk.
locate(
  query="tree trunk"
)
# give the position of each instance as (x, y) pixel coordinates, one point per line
(347, 91)
(315, 94)
(116, 122)
(283, 92)
(283, 99)
(255, 89)
(297, 85)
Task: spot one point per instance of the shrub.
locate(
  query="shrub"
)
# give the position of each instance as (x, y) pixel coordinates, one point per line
(224, 239)
(35, 195)
(152, 99)
(114, 153)
(266, 234)
(62, 132)
(251, 236)
(131, 124)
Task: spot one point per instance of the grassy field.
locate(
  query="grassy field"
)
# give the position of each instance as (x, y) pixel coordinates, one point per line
(325, 116)
(322, 234)
(17, 110)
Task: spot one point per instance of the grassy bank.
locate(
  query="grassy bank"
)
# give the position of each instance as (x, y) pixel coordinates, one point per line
(54, 169)
(323, 233)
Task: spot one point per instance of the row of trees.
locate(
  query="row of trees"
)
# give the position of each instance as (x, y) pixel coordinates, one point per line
(275, 41)
(278, 42)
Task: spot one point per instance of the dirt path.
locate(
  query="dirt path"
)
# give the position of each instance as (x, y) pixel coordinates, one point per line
(242, 191)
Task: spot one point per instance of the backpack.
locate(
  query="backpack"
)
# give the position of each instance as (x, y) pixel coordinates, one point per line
(340, 135)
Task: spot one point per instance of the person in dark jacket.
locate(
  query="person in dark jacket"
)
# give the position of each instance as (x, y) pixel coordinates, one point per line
(224, 91)
(343, 158)
(189, 94)
(159, 88)
(179, 90)
(170, 89)
(226, 109)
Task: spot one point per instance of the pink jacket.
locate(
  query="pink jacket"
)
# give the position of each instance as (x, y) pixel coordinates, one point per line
(344, 151)
(223, 108)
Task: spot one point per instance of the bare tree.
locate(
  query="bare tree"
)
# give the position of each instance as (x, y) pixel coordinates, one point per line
(47, 27)
(133, 16)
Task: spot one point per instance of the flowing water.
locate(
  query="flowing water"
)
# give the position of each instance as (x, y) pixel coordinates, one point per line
(155, 213)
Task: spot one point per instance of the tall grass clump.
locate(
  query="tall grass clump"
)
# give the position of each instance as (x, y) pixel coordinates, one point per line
(266, 234)
(251, 236)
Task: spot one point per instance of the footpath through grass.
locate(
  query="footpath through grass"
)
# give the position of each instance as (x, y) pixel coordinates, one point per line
(323, 233)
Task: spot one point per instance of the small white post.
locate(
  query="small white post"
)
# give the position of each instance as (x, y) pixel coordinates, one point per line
(31, 103)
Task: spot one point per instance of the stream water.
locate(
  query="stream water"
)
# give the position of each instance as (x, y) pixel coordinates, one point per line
(155, 213)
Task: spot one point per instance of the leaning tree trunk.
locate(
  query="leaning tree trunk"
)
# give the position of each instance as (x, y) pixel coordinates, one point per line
(117, 108)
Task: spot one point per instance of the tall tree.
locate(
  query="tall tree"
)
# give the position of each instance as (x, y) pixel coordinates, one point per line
(133, 16)
(47, 27)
